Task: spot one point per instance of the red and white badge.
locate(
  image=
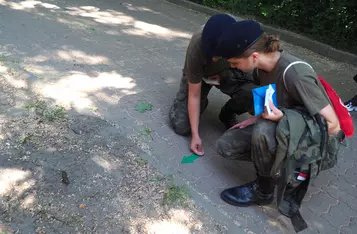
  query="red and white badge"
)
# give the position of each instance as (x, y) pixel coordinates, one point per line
(302, 176)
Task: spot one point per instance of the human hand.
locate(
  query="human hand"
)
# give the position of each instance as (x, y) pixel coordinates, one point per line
(275, 114)
(196, 146)
(250, 121)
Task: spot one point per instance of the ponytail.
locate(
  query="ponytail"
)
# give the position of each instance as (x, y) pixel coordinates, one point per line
(265, 44)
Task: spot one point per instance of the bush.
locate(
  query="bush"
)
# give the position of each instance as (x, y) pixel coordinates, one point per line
(329, 21)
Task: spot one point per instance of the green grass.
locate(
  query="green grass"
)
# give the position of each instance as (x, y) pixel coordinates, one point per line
(25, 138)
(148, 131)
(46, 112)
(93, 108)
(175, 195)
(141, 161)
(157, 179)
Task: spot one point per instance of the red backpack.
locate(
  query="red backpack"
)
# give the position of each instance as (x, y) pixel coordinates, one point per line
(344, 117)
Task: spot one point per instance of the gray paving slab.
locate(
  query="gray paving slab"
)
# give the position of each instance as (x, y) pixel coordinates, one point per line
(103, 57)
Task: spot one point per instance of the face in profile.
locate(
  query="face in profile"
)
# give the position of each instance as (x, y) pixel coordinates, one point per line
(244, 64)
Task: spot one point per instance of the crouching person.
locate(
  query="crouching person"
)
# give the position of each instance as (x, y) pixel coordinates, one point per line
(201, 72)
(299, 138)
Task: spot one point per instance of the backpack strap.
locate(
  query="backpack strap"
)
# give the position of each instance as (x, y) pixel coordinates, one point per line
(292, 64)
(317, 116)
(297, 220)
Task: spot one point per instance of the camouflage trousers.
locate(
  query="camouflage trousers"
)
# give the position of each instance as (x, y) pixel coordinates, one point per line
(232, 84)
(254, 143)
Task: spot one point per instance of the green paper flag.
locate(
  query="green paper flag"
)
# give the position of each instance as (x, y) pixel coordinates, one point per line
(189, 159)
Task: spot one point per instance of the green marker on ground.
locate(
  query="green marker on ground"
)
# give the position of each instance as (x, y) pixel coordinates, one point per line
(189, 159)
(143, 106)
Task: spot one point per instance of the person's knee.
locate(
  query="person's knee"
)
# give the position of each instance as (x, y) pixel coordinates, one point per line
(179, 118)
(234, 145)
(223, 147)
(179, 122)
(181, 129)
(180, 126)
(263, 130)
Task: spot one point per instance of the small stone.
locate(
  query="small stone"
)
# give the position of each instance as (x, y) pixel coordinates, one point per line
(65, 179)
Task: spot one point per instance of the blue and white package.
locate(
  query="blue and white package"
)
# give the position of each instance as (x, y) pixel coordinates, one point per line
(259, 98)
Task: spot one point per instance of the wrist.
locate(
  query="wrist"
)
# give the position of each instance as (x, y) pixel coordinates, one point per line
(281, 116)
(256, 118)
(333, 129)
(195, 135)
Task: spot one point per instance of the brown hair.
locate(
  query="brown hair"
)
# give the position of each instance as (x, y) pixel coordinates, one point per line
(265, 44)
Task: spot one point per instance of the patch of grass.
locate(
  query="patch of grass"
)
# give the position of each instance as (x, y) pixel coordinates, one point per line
(175, 195)
(145, 131)
(25, 138)
(142, 162)
(46, 112)
(148, 132)
(93, 108)
(36, 105)
(57, 113)
(157, 179)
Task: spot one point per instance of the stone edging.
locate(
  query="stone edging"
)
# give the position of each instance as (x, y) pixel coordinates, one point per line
(294, 38)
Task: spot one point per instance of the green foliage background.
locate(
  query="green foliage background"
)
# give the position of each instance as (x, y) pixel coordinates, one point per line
(333, 22)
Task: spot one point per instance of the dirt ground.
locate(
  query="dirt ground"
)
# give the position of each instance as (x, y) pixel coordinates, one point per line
(51, 181)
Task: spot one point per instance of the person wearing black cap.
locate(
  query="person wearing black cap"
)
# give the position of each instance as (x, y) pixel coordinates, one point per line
(202, 71)
(297, 87)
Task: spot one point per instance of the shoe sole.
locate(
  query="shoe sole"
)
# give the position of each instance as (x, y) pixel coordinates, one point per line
(259, 203)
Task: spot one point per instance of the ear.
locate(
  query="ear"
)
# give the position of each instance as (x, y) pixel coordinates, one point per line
(255, 56)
